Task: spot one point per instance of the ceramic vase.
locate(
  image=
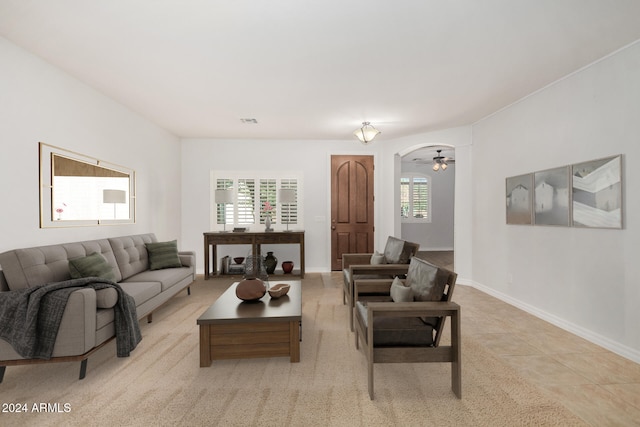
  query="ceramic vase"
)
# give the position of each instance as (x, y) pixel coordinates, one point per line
(270, 262)
(287, 267)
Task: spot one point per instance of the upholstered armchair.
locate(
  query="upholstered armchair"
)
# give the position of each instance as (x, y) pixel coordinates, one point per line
(406, 326)
(394, 261)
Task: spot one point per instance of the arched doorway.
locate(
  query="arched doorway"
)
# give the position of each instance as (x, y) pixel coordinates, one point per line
(427, 195)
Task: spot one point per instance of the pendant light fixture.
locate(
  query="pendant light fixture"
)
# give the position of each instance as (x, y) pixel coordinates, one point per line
(366, 133)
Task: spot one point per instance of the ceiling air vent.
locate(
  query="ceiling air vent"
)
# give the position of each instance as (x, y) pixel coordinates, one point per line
(249, 121)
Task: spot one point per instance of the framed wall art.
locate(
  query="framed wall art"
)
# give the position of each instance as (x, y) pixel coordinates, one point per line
(551, 197)
(519, 199)
(596, 188)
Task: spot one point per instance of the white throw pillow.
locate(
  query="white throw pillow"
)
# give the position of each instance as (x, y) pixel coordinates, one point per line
(400, 292)
(377, 258)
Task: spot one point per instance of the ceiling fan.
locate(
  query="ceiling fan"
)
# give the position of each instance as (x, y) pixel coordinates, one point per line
(441, 162)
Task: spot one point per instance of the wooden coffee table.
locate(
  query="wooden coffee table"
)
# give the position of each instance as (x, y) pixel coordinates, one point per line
(270, 327)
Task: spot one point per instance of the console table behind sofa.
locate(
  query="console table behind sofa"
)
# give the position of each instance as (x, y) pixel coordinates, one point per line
(255, 239)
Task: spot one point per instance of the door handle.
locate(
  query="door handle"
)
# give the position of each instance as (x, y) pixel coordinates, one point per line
(333, 227)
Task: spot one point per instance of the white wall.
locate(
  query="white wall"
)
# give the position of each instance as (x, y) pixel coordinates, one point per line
(39, 102)
(201, 156)
(586, 280)
(312, 158)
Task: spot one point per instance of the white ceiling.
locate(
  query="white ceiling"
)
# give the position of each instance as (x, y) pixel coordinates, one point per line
(317, 69)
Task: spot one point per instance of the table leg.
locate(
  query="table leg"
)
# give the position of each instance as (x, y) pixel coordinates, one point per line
(294, 342)
(205, 346)
(206, 259)
(301, 243)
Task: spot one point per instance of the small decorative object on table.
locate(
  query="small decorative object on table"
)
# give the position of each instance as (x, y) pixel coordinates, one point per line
(238, 259)
(287, 267)
(270, 262)
(267, 216)
(279, 290)
(254, 268)
(251, 289)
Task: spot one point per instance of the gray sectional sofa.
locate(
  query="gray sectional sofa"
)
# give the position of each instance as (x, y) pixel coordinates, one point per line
(85, 326)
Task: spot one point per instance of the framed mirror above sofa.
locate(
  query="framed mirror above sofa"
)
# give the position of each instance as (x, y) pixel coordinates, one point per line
(79, 190)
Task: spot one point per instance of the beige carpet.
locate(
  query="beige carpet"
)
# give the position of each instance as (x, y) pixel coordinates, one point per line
(162, 383)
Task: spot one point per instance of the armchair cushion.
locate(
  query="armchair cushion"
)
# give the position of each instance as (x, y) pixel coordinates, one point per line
(397, 331)
(397, 251)
(427, 282)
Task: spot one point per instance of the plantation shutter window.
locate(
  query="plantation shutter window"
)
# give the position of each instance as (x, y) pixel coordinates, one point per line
(255, 196)
(415, 198)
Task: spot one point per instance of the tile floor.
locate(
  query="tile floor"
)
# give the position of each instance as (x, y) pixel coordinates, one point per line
(597, 385)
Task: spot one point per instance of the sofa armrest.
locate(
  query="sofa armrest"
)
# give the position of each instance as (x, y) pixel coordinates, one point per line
(77, 333)
(349, 259)
(187, 258)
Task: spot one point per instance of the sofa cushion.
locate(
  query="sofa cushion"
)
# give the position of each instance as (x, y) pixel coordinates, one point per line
(163, 255)
(399, 292)
(141, 291)
(131, 253)
(94, 265)
(397, 331)
(24, 268)
(166, 277)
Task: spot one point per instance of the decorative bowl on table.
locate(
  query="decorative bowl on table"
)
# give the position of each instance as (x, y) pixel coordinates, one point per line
(279, 290)
(238, 259)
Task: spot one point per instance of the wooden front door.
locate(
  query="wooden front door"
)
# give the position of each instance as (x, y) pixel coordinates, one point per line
(351, 206)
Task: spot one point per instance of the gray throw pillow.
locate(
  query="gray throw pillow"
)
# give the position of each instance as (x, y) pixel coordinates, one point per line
(377, 258)
(400, 292)
(94, 265)
(163, 255)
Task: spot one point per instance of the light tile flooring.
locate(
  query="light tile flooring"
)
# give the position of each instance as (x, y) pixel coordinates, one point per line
(597, 385)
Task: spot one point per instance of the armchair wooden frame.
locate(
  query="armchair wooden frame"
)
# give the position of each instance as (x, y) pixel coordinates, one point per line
(451, 353)
(358, 265)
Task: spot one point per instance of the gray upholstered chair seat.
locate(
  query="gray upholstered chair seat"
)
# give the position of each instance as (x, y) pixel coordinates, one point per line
(398, 331)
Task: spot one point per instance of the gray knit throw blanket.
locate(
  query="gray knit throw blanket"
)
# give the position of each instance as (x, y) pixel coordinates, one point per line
(30, 318)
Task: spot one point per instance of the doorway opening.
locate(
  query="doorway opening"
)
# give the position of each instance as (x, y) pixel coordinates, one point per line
(427, 195)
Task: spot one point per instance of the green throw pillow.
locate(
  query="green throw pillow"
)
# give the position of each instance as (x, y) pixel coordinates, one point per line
(163, 255)
(93, 265)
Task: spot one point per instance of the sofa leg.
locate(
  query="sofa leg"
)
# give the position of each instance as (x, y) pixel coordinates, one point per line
(83, 368)
(2, 368)
(149, 317)
(188, 290)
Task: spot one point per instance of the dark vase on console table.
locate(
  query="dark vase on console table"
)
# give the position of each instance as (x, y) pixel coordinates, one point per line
(270, 262)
